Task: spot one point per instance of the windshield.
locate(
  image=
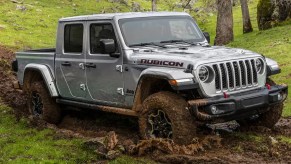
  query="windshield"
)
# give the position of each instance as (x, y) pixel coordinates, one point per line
(142, 31)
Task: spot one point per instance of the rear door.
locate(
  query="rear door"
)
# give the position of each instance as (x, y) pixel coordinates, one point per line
(70, 60)
(104, 73)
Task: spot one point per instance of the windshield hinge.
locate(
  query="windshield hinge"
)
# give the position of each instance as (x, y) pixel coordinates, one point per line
(119, 68)
(120, 91)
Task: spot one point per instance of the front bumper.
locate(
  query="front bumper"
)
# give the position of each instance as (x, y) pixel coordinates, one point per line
(237, 106)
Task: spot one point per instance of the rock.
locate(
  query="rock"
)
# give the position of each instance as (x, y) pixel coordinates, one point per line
(112, 154)
(15, 1)
(128, 145)
(110, 140)
(2, 27)
(272, 141)
(21, 7)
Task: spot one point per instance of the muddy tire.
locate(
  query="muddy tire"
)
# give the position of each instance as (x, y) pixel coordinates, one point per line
(267, 119)
(165, 115)
(41, 104)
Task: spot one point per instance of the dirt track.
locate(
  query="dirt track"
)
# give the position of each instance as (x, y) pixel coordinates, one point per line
(218, 144)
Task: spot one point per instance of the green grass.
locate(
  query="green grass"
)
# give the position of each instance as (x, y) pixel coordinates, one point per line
(20, 143)
(247, 137)
(275, 44)
(285, 139)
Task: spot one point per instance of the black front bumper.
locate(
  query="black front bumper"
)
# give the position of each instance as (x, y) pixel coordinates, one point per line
(237, 106)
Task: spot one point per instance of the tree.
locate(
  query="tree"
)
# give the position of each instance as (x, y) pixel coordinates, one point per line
(154, 5)
(224, 26)
(247, 24)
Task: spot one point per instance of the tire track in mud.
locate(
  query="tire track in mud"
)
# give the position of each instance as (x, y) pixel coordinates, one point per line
(107, 133)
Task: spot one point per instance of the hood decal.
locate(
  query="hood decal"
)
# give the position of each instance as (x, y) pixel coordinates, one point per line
(162, 62)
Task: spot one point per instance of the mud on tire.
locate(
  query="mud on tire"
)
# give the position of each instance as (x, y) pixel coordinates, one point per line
(173, 109)
(267, 119)
(41, 104)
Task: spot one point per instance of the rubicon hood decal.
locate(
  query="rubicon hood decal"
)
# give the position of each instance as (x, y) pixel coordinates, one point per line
(161, 62)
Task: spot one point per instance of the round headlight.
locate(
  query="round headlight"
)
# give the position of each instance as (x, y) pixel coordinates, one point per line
(259, 65)
(203, 73)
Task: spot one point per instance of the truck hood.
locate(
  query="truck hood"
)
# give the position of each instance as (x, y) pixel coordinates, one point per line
(183, 56)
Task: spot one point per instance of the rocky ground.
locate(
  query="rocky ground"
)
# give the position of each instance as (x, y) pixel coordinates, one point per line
(110, 135)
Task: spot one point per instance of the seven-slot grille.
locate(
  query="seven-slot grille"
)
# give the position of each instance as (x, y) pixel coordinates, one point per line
(235, 75)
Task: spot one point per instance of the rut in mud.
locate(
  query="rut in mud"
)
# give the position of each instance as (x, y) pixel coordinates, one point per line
(110, 135)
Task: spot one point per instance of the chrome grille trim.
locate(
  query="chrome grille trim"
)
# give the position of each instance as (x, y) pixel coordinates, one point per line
(235, 75)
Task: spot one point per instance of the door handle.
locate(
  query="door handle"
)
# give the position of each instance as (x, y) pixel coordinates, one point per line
(90, 65)
(66, 64)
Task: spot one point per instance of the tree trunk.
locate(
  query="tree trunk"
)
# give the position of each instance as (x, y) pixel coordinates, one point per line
(224, 26)
(154, 5)
(247, 24)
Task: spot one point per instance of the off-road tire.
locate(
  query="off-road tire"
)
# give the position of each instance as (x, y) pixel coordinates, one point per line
(175, 107)
(51, 111)
(267, 119)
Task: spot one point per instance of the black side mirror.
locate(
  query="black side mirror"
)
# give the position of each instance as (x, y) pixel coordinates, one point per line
(107, 46)
(207, 36)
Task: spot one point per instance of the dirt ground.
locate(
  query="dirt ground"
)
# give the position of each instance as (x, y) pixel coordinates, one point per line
(222, 143)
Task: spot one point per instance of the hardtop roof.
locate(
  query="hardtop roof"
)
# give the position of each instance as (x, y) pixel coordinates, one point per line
(110, 16)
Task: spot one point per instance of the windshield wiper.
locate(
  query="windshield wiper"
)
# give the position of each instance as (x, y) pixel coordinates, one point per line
(148, 44)
(178, 41)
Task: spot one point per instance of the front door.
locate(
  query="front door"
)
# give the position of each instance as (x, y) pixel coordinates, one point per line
(104, 73)
(70, 61)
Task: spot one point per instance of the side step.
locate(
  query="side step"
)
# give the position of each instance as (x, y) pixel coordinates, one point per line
(116, 110)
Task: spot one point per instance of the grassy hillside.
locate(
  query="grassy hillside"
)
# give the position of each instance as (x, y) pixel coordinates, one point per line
(276, 44)
(20, 143)
(33, 23)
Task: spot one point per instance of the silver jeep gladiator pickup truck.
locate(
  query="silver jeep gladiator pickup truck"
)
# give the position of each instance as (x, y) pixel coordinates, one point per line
(157, 66)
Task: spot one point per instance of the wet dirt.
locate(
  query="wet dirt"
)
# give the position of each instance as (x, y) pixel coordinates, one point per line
(9, 95)
(111, 135)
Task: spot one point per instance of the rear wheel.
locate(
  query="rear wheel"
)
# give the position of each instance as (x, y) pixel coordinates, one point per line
(165, 115)
(41, 104)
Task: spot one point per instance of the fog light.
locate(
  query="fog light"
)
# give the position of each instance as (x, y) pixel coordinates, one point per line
(214, 109)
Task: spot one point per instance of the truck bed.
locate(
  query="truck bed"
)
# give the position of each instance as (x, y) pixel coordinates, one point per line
(37, 56)
(49, 50)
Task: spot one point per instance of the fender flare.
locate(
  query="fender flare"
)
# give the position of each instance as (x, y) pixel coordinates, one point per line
(46, 76)
(183, 80)
(272, 67)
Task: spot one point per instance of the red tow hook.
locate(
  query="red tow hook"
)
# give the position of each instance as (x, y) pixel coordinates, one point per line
(268, 86)
(225, 95)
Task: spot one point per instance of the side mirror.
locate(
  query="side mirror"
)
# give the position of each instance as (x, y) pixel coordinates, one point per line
(207, 36)
(107, 46)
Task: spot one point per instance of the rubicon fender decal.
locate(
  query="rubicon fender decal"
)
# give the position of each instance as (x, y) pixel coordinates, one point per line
(161, 62)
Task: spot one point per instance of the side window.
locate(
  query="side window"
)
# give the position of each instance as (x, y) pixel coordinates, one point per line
(98, 32)
(73, 38)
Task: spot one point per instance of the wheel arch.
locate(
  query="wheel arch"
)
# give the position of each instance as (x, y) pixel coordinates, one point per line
(156, 77)
(36, 72)
(149, 84)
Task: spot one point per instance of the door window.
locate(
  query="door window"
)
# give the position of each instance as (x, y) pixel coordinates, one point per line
(73, 38)
(98, 32)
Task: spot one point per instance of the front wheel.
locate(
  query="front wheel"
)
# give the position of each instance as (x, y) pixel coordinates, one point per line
(41, 104)
(165, 115)
(267, 119)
